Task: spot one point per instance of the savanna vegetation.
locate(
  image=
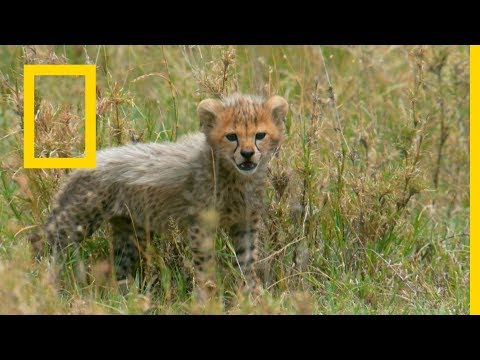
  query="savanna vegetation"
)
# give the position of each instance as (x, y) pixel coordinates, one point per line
(367, 208)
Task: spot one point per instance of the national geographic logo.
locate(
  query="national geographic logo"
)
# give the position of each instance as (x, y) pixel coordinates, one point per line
(30, 71)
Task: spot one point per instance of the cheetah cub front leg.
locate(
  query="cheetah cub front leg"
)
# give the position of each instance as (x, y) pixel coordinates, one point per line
(202, 241)
(245, 240)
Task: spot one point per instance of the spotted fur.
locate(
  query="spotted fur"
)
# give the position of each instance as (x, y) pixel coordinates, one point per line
(138, 188)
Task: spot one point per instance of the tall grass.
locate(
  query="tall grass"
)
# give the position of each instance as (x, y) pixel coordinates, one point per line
(367, 208)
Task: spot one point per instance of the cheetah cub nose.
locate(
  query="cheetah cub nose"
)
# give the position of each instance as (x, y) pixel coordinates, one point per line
(247, 154)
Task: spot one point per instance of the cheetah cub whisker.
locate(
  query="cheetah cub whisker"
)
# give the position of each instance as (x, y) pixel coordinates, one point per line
(137, 188)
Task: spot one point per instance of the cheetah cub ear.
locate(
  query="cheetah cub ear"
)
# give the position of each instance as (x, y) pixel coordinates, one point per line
(278, 107)
(208, 111)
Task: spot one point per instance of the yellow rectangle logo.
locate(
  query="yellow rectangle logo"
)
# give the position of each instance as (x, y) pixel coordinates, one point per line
(474, 179)
(29, 159)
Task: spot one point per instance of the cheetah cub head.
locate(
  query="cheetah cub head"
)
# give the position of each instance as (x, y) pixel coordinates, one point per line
(244, 130)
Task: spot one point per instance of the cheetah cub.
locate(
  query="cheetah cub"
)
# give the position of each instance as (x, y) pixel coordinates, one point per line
(139, 187)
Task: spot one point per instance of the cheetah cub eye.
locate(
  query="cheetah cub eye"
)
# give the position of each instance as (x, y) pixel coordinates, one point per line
(231, 137)
(260, 136)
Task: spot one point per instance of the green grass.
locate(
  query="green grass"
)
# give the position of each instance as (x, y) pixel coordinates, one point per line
(367, 208)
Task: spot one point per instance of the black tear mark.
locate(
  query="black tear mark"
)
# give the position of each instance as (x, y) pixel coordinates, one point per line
(257, 146)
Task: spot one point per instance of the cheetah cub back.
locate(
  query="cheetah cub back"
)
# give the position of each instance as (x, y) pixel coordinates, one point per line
(138, 188)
